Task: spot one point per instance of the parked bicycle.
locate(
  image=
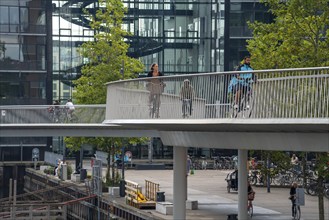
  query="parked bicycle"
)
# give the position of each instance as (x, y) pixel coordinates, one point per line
(256, 177)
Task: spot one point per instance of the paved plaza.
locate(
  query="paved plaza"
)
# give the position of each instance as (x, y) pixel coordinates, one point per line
(208, 187)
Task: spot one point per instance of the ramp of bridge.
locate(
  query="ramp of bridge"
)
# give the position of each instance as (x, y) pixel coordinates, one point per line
(290, 111)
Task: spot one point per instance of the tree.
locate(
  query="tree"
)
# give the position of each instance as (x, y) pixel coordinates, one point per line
(106, 54)
(298, 37)
(104, 57)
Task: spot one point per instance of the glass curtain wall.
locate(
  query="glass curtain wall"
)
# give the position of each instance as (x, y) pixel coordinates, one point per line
(23, 52)
(25, 75)
(242, 11)
(69, 32)
(181, 36)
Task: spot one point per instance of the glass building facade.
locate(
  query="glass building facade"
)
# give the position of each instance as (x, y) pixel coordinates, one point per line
(25, 75)
(25, 66)
(182, 36)
(39, 41)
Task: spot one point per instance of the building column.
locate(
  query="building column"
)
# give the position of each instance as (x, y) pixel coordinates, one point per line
(180, 183)
(242, 184)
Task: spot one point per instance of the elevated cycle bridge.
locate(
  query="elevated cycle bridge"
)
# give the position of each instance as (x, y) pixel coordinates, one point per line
(290, 111)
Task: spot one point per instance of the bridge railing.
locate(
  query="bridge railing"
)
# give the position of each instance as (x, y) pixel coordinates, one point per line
(27, 114)
(285, 93)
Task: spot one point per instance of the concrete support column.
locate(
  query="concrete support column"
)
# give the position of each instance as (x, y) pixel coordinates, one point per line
(242, 184)
(180, 183)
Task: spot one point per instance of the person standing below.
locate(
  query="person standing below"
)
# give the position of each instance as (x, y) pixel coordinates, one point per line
(186, 95)
(188, 165)
(294, 162)
(58, 168)
(155, 87)
(240, 84)
(251, 195)
(293, 197)
(294, 159)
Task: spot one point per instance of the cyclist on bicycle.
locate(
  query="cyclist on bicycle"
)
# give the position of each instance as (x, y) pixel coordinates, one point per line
(186, 95)
(251, 195)
(70, 108)
(293, 198)
(156, 87)
(55, 111)
(241, 83)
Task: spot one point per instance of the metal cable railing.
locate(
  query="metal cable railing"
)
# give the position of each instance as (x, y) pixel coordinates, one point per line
(285, 93)
(28, 114)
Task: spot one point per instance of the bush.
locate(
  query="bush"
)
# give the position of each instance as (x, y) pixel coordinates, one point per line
(49, 170)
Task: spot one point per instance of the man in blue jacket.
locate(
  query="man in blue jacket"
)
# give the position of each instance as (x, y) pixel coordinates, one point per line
(241, 83)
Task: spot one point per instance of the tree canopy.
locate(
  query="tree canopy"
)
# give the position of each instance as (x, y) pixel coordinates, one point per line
(104, 58)
(298, 37)
(105, 55)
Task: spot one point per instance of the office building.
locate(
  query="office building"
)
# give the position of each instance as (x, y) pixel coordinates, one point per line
(39, 41)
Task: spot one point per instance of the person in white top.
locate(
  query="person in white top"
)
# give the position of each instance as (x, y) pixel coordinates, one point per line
(294, 160)
(295, 163)
(70, 106)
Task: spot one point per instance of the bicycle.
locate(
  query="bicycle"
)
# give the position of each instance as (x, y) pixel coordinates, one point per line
(53, 114)
(186, 107)
(155, 89)
(245, 106)
(67, 116)
(250, 205)
(154, 107)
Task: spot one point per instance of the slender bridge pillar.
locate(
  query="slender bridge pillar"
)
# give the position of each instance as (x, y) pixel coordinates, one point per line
(180, 183)
(242, 184)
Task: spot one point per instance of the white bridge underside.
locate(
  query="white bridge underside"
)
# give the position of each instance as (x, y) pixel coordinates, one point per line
(256, 134)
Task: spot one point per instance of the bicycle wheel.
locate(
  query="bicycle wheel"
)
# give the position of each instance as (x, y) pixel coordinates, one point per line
(233, 111)
(156, 106)
(250, 105)
(326, 193)
(74, 118)
(246, 106)
(184, 108)
(311, 190)
(228, 188)
(250, 210)
(253, 180)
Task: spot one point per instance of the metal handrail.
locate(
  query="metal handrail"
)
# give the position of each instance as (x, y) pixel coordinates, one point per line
(48, 114)
(281, 93)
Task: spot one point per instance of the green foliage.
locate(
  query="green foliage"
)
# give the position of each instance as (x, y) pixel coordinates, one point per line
(75, 143)
(49, 170)
(104, 57)
(299, 36)
(280, 159)
(69, 170)
(322, 165)
(113, 181)
(105, 54)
